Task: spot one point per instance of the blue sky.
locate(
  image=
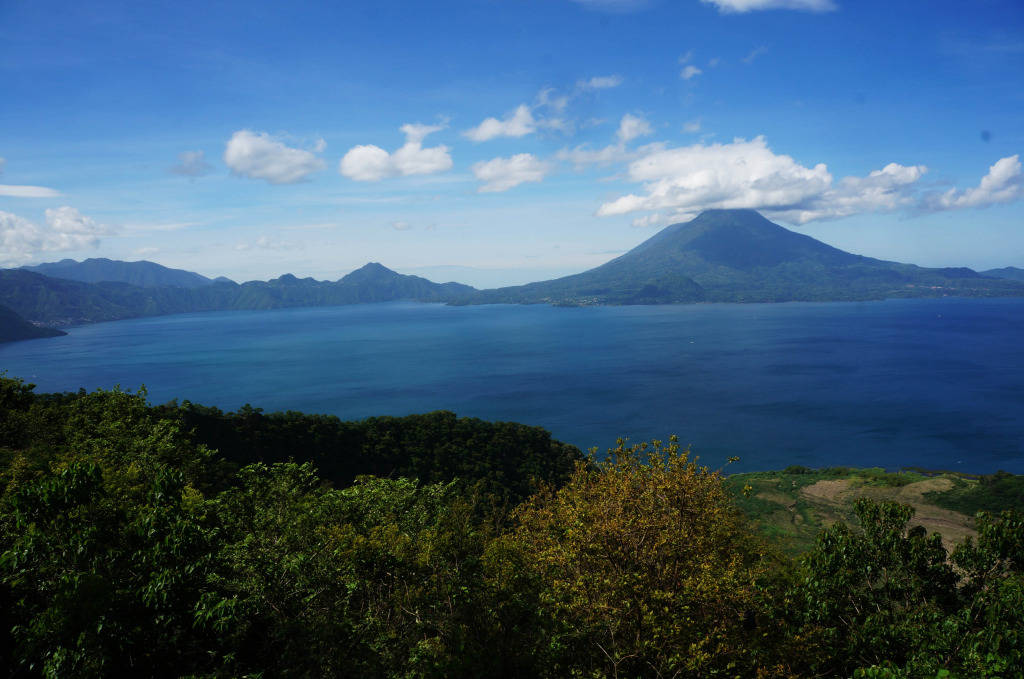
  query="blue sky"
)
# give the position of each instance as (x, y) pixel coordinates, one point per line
(498, 142)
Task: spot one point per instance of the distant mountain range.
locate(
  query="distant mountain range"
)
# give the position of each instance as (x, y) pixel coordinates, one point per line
(1011, 272)
(141, 274)
(45, 300)
(721, 256)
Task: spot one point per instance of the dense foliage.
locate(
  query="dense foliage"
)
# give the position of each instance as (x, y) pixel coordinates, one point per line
(433, 546)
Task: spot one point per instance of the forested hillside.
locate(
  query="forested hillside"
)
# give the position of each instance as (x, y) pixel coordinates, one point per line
(183, 541)
(13, 327)
(58, 301)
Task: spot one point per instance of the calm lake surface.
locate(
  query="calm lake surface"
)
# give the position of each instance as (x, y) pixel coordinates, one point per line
(933, 383)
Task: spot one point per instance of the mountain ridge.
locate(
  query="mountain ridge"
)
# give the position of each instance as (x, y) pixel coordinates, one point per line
(143, 274)
(739, 256)
(720, 256)
(54, 301)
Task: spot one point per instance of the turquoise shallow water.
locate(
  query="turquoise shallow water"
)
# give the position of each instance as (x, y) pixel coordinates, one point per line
(934, 383)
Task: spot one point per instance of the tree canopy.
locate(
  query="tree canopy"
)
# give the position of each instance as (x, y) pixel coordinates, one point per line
(131, 545)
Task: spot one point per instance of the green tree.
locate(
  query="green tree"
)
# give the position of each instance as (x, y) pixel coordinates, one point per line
(877, 597)
(97, 589)
(647, 569)
(990, 625)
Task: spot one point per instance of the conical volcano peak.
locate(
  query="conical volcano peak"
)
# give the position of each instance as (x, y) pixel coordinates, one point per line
(740, 256)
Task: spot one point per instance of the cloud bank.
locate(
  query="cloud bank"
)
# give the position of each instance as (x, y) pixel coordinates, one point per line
(369, 163)
(680, 182)
(748, 174)
(65, 229)
(260, 156)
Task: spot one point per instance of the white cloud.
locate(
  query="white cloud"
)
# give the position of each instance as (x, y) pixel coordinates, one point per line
(545, 115)
(69, 220)
(191, 164)
(748, 174)
(519, 123)
(729, 6)
(24, 191)
(66, 229)
(650, 220)
(632, 127)
(1003, 184)
(689, 72)
(264, 157)
(501, 174)
(27, 191)
(367, 163)
(692, 126)
(599, 83)
(370, 163)
(548, 99)
(754, 54)
(401, 226)
(582, 155)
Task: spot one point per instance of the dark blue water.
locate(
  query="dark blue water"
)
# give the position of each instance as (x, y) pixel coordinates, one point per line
(933, 383)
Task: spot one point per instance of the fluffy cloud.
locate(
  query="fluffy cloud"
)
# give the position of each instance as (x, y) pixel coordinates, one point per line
(748, 174)
(24, 191)
(632, 127)
(191, 164)
(501, 174)
(689, 72)
(260, 156)
(727, 6)
(1003, 184)
(519, 123)
(65, 229)
(546, 113)
(370, 163)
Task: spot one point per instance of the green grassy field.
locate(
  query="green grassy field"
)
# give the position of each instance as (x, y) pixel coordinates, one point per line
(793, 505)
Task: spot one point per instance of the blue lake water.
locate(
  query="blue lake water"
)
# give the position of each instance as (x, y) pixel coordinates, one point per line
(933, 383)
